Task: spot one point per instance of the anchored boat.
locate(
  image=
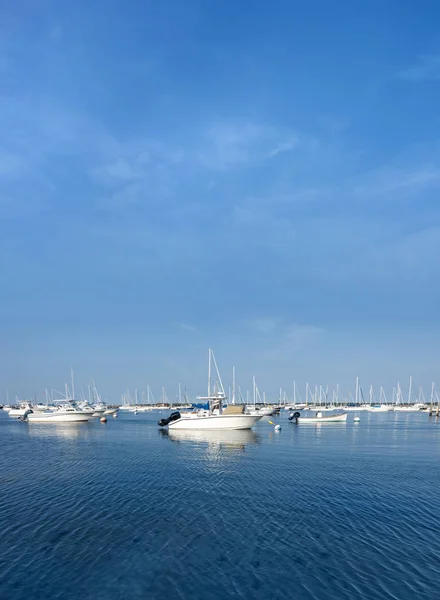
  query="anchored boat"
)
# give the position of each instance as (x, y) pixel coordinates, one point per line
(215, 418)
(318, 418)
(67, 412)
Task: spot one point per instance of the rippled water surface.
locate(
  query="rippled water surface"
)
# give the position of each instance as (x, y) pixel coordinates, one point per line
(123, 511)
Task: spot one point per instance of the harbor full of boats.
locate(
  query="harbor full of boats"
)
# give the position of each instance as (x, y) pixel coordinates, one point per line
(215, 412)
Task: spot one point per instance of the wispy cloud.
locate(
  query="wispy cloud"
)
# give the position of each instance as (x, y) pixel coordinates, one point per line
(292, 332)
(426, 68)
(390, 183)
(263, 325)
(301, 334)
(226, 145)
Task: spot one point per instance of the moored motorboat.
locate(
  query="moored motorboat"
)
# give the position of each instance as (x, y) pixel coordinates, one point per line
(215, 418)
(67, 412)
(263, 411)
(226, 420)
(21, 410)
(318, 418)
(379, 408)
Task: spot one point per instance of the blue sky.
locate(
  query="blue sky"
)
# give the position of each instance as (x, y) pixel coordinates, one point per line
(259, 178)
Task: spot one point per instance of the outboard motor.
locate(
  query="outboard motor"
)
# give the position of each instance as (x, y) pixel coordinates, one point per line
(173, 417)
(294, 416)
(24, 417)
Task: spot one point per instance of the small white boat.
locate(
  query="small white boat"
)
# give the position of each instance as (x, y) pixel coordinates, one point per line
(410, 407)
(67, 412)
(379, 408)
(318, 418)
(263, 411)
(20, 411)
(99, 409)
(42, 407)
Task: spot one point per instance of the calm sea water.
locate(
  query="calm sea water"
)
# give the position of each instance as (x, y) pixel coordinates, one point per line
(123, 511)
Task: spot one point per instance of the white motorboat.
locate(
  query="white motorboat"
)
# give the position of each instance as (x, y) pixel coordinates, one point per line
(318, 418)
(21, 410)
(223, 421)
(94, 410)
(42, 407)
(379, 408)
(67, 412)
(232, 417)
(410, 407)
(263, 411)
(99, 409)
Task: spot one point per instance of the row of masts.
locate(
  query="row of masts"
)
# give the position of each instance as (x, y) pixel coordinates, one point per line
(316, 395)
(53, 395)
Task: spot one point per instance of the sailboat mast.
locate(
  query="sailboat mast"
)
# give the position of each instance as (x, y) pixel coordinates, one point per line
(233, 385)
(209, 373)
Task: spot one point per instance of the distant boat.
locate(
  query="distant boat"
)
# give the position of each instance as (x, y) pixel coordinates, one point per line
(379, 408)
(318, 418)
(413, 408)
(263, 411)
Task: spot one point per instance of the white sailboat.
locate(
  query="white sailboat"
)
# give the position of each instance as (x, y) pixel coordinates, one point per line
(215, 418)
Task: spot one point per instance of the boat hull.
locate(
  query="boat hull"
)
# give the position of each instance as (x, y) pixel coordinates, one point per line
(215, 422)
(17, 412)
(110, 411)
(59, 417)
(329, 419)
(261, 412)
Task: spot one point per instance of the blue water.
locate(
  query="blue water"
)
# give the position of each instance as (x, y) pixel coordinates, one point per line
(121, 511)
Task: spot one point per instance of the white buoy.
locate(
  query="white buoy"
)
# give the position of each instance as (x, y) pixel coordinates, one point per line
(277, 427)
(356, 419)
(103, 420)
(115, 415)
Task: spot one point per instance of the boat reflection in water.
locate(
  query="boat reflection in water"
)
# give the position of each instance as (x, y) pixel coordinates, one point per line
(228, 439)
(60, 430)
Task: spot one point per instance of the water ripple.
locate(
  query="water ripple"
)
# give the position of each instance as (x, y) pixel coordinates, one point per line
(314, 513)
